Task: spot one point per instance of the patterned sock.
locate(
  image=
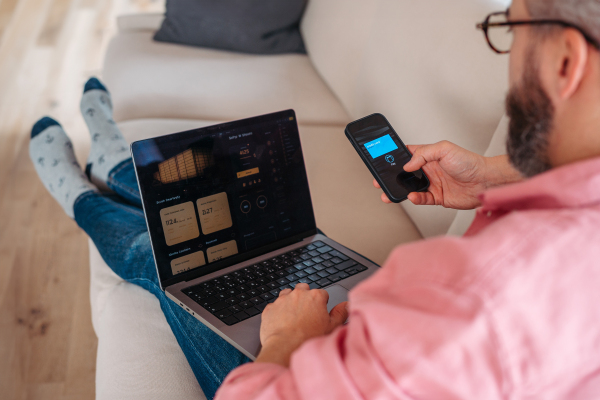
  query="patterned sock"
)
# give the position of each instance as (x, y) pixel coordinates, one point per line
(108, 147)
(51, 152)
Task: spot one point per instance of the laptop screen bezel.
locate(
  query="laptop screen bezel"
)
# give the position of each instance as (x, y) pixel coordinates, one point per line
(236, 259)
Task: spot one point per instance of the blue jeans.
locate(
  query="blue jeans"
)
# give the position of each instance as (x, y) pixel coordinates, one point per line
(117, 226)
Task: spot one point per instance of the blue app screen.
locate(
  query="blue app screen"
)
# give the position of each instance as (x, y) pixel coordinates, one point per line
(380, 146)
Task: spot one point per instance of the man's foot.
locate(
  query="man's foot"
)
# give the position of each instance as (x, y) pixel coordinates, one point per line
(108, 147)
(51, 152)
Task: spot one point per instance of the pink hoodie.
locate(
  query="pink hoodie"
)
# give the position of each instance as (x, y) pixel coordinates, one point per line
(510, 310)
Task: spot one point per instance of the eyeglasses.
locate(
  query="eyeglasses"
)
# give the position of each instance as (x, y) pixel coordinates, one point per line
(498, 30)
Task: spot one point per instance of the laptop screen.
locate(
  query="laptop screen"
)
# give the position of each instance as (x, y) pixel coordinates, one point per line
(213, 195)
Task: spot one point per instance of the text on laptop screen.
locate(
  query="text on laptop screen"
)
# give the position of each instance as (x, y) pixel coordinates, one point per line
(220, 191)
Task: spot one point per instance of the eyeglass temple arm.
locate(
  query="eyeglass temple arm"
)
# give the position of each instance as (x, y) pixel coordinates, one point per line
(486, 24)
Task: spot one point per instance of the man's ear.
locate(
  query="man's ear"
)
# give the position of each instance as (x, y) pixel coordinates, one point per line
(569, 62)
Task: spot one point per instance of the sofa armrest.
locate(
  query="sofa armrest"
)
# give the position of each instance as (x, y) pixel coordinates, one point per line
(140, 22)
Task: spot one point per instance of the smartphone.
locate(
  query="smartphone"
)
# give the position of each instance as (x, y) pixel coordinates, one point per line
(385, 155)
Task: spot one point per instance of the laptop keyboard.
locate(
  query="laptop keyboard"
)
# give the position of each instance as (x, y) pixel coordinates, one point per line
(246, 292)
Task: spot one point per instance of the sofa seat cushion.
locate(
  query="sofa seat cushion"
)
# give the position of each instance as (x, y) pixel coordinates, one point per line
(138, 355)
(148, 79)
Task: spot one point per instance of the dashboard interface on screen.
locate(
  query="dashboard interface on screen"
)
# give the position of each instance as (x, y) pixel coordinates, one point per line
(220, 191)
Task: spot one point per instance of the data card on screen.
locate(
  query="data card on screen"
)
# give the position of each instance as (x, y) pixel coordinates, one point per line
(222, 250)
(214, 213)
(188, 262)
(381, 146)
(179, 223)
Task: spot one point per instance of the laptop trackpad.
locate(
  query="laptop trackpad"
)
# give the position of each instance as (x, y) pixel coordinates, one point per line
(337, 294)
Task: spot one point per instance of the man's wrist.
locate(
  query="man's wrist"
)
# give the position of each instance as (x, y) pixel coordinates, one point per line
(278, 351)
(499, 171)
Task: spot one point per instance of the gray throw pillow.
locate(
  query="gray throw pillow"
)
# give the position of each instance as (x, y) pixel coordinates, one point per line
(249, 26)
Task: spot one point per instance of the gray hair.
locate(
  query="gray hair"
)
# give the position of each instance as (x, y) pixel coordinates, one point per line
(583, 13)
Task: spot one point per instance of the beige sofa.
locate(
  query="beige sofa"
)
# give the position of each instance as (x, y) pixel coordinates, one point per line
(422, 64)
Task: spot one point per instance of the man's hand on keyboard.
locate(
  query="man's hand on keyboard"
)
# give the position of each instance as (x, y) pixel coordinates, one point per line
(457, 176)
(296, 316)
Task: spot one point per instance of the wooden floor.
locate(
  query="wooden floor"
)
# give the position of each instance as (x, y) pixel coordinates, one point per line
(48, 48)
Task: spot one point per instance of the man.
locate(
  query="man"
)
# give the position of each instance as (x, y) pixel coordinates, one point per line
(511, 309)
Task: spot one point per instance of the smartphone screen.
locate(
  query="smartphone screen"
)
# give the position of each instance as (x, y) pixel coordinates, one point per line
(385, 154)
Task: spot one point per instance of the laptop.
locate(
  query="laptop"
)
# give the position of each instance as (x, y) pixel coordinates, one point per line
(231, 223)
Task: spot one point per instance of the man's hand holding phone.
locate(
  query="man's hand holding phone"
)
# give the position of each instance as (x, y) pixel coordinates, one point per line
(457, 176)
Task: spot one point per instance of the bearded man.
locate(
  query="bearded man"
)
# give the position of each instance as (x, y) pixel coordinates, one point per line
(508, 310)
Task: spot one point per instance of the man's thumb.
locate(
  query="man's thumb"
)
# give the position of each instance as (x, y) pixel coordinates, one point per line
(417, 161)
(427, 153)
(338, 314)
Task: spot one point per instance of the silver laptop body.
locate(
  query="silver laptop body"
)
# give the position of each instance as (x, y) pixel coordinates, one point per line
(231, 223)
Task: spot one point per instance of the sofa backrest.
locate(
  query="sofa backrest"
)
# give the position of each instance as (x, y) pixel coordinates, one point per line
(421, 63)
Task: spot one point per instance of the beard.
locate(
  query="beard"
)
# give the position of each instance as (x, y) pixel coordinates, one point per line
(531, 114)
